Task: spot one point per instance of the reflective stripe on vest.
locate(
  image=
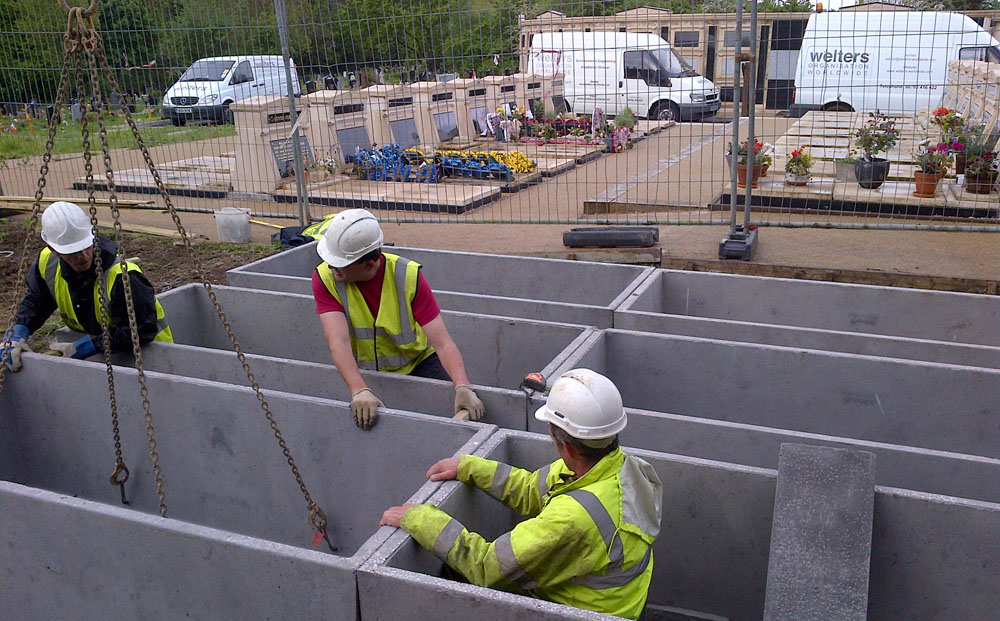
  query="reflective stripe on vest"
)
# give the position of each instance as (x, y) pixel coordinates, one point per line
(615, 576)
(317, 230)
(398, 353)
(51, 272)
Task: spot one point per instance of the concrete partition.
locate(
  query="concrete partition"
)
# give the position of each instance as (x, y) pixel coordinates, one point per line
(497, 351)
(758, 306)
(919, 404)
(237, 518)
(545, 289)
(505, 408)
(932, 556)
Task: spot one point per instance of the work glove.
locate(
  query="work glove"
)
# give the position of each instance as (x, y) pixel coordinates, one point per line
(80, 349)
(363, 404)
(11, 355)
(467, 404)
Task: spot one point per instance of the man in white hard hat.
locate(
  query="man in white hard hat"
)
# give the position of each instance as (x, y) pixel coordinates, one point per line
(378, 313)
(594, 513)
(64, 278)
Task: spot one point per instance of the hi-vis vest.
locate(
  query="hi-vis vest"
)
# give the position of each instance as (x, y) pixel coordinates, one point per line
(51, 271)
(393, 341)
(317, 230)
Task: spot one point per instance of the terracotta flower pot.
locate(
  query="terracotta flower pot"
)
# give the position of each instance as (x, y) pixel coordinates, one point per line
(741, 175)
(926, 184)
(763, 171)
(981, 184)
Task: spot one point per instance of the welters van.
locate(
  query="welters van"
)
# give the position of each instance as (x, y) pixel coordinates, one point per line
(894, 61)
(207, 88)
(615, 70)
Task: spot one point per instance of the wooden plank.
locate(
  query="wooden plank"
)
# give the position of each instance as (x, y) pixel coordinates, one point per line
(124, 203)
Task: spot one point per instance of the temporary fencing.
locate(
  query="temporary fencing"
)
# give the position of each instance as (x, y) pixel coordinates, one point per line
(586, 111)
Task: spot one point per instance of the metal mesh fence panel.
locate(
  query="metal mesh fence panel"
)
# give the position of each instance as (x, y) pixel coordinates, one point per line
(568, 112)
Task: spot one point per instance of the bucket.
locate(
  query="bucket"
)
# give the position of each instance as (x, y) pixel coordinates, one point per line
(233, 225)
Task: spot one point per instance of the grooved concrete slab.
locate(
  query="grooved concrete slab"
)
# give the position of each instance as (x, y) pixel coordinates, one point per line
(821, 535)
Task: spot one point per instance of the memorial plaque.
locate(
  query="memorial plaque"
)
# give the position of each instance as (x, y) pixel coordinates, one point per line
(284, 156)
(279, 117)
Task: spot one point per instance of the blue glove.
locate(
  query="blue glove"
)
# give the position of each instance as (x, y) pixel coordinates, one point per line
(80, 349)
(11, 354)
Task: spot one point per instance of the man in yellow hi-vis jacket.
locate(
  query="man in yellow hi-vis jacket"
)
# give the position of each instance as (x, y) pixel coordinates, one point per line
(64, 278)
(595, 512)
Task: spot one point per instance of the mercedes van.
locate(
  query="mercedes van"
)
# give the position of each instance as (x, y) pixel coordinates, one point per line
(207, 88)
(617, 70)
(895, 62)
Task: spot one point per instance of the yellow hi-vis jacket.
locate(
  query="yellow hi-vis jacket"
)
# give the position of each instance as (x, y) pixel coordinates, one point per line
(51, 272)
(588, 544)
(318, 229)
(393, 341)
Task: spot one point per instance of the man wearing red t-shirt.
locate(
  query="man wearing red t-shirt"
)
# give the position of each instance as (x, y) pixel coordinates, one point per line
(378, 312)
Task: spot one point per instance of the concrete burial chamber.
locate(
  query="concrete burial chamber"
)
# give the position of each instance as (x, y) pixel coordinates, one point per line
(919, 404)
(544, 289)
(661, 302)
(929, 553)
(497, 351)
(232, 500)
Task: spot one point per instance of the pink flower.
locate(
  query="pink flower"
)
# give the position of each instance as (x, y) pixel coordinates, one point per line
(957, 146)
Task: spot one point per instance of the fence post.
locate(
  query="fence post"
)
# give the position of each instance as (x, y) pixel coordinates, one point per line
(300, 184)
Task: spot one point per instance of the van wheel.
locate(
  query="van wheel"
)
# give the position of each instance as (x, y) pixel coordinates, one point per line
(227, 114)
(838, 106)
(666, 111)
(177, 121)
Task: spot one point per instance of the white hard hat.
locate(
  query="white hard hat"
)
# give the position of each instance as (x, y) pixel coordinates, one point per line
(66, 229)
(584, 404)
(352, 234)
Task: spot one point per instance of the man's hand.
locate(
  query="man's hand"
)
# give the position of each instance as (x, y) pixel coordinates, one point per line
(363, 404)
(82, 348)
(444, 470)
(12, 355)
(393, 516)
(467, 400)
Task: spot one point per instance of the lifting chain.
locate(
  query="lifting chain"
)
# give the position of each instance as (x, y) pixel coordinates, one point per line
(81, 39)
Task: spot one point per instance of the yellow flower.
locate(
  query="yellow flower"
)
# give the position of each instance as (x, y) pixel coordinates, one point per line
(499, 110)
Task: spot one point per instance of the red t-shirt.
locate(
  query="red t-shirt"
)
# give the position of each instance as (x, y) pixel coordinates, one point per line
(425, 307)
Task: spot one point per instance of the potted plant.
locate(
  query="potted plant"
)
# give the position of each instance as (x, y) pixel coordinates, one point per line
(745, 162)
(950, 122)
(878, 135)
(845, 166)
(797, 166)
(970, 141)
(764, 158)
(932, 162)
(981, 173)
(626, 118)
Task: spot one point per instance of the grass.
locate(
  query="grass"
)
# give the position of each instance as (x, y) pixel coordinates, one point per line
(70, 140)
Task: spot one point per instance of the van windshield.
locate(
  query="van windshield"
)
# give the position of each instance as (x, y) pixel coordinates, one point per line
(674, 65)
(207, 71)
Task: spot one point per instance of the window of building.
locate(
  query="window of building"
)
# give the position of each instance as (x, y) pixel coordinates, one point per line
(730, 39)
(687, 38)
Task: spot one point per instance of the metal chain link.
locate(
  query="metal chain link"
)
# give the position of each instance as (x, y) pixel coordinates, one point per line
(317, 518)
(36, 206)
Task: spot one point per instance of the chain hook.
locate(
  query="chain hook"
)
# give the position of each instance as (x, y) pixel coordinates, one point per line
(90, 10)
(118, 477)
(318, 521)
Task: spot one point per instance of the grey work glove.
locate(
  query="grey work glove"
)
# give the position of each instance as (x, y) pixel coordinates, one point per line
(467, 404)
(12, 355)
(363, 404)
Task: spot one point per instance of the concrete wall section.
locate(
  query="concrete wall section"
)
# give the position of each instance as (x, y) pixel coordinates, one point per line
(542, 289)
(426, 396)
(711, 556)
(497, 351)
(936, 406)
(934, 557)
(926, 470)
(914, 313)
(221, 463)
(811, 338)
(67, 557)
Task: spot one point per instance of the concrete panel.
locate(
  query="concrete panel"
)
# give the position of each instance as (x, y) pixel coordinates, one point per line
(426, 396)
(67, 557)
(222, 466)
(711, 556)
(888, 311)
(936, 406)
(498, 351)
(543, 289)
(925, 470)
(932, 556)
(821, 537)
(811, 338)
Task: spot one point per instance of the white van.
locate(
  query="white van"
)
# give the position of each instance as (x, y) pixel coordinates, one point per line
(615, 70)
(207, 88)
(895, 62)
